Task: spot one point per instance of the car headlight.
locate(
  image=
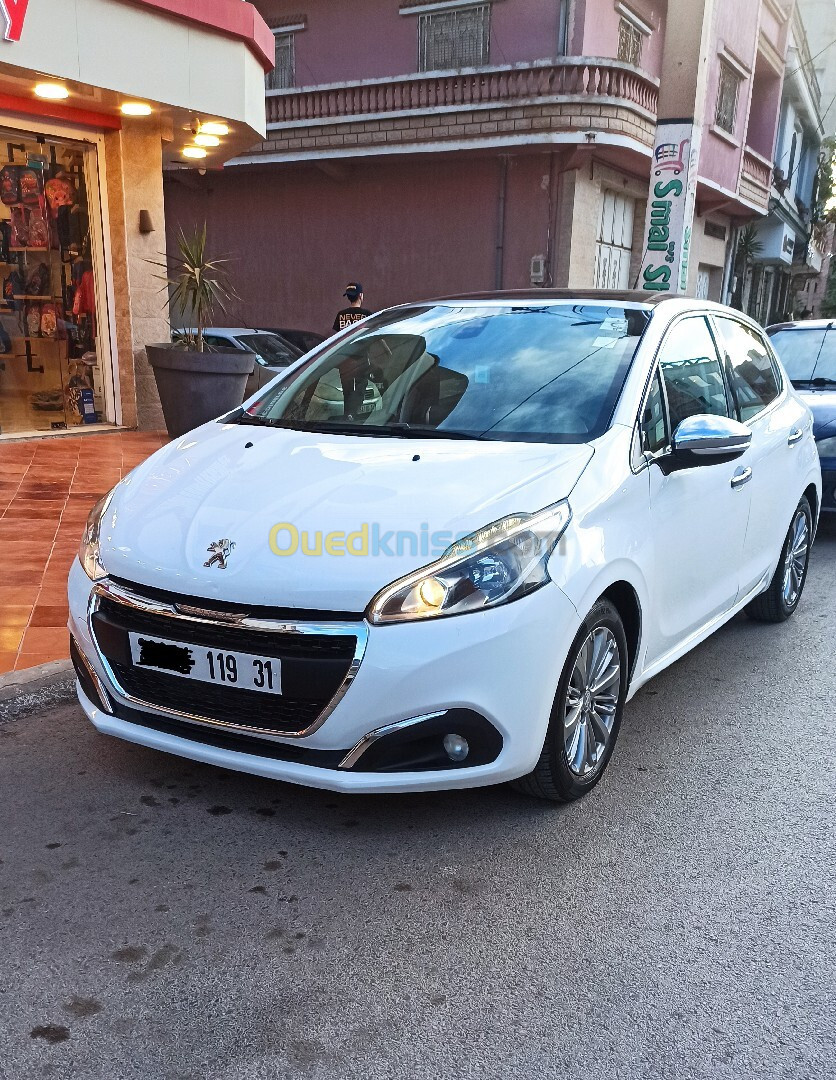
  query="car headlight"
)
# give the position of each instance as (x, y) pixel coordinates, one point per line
(827, 447)
(497, 564)
(88, 549)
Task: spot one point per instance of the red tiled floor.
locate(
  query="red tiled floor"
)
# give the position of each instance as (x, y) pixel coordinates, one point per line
(47, 487)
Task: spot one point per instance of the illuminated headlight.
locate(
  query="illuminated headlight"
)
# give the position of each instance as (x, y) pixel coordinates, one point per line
(88, 549)
(497, 564)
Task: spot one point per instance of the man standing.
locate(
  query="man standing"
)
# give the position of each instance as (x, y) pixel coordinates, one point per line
(355, 311)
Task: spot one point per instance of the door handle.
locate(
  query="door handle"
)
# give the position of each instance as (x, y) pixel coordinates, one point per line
(795, 436)
(741, 477)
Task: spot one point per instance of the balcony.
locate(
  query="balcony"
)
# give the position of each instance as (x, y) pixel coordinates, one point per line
(755, 179)
(545, 101)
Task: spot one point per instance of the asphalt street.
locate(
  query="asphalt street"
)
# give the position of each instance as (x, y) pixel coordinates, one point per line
(163, 920)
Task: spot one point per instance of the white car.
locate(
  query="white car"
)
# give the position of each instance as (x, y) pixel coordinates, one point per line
(555, 496)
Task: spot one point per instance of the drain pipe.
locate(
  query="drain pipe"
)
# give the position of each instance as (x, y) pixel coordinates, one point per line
(500, 221)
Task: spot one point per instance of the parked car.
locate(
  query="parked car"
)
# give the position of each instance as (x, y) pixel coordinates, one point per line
(555, 496)
(272, 352)
(304, 340)
(808, 352)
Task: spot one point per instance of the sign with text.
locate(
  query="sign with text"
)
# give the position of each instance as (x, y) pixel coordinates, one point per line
(670, 207)
(13, 12)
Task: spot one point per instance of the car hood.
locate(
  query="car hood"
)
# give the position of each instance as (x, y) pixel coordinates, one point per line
(401, 500)
(822, 404)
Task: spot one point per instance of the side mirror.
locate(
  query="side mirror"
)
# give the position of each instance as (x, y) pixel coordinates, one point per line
(707, 440)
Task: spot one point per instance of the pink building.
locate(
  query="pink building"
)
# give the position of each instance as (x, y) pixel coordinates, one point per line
(434, 147)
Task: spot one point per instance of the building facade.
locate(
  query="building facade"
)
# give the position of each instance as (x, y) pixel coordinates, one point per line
(784, 277)
(97, 97)
(443, 146)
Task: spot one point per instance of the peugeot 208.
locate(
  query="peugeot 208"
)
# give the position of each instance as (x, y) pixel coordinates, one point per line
(445, 548)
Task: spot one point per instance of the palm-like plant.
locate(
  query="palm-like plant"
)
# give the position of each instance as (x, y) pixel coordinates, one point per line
(196, 285)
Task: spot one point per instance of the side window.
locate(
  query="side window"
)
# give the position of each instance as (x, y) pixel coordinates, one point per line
(654, 433)
(752, 374)
(692, 373)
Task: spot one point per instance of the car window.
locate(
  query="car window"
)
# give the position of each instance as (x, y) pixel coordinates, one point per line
(691, 371)
(799, 350)
(654, 431)
(752, 374)
(218, 342)
(271, 349)
(528, 372)
(826, 366)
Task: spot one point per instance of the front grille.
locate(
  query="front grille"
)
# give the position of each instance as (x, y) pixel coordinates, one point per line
(314, 668)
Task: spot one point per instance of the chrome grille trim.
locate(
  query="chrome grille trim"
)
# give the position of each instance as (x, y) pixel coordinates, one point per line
(119, 594)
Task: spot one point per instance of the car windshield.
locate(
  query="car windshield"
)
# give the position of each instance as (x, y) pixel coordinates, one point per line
(808, 354)
(528, 372)
(270, 348)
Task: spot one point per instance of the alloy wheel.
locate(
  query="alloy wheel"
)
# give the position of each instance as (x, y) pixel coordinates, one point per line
(795, 562)
(591, 702)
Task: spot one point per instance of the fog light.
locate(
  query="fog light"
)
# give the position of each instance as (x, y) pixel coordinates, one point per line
(456, 747)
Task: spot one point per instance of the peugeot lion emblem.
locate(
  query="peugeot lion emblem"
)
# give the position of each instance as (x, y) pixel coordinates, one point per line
(219, 551)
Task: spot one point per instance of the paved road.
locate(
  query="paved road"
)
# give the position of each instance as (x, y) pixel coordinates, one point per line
(162, 920)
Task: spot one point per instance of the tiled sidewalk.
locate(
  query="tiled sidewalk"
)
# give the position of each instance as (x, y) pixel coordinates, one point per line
(47, 487)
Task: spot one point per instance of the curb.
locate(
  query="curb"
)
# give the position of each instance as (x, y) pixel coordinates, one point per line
(28, 691)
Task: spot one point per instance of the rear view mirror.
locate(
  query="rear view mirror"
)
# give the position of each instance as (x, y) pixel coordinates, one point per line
(707, 440)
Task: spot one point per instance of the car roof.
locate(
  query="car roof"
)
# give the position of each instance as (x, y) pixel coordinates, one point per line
(632, 296)
(230, 331)
(803, 324)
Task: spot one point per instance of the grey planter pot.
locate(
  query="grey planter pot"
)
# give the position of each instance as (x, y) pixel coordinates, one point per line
(196, 387)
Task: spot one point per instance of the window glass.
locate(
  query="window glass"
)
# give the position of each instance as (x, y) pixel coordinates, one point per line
(654, 433)
(692, 373)
(271, 349)
(283, 74)
(458, 37)
(799, 350)
(728, 90)
(535, 372)
(751, 372)
(630, 40)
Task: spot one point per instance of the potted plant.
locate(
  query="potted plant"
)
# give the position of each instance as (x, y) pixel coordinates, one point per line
(196, 383)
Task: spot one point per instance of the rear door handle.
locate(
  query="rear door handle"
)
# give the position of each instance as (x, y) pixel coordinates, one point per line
(795, 436)
(741, 477)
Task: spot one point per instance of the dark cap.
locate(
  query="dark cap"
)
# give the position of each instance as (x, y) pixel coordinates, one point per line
(353, 290)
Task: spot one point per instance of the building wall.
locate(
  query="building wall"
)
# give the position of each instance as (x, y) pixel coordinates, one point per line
(407, 229)
(595, 24)
(133, 158)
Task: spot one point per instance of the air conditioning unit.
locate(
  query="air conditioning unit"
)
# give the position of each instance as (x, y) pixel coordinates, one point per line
(538, 269)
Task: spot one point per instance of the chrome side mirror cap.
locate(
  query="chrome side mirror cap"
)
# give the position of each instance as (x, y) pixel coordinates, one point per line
(707, 440)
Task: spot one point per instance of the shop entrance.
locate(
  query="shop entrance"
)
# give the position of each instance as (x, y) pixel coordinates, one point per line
(54, 358)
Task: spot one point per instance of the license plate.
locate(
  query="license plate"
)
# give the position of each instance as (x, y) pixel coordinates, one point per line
(219, 666)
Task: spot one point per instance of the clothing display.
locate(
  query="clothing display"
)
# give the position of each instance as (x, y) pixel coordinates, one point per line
(49, 374)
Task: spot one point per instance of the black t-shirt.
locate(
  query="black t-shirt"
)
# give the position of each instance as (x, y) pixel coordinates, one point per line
(348, 316)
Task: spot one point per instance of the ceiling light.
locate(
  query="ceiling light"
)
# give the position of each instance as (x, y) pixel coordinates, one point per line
(51, 91)
(136, 108)
(207, 140)
(214, 128)
(194, 151)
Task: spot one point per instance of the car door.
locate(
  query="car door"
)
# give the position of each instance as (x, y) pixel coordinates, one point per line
(698, 516)
(779, 424)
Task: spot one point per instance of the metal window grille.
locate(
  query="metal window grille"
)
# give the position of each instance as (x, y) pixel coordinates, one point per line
(457, 38)
(727, 95)
(614, 246)
(630, 40)
(283, 74)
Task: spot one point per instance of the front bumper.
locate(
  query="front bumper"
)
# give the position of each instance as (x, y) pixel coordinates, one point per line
(502, 665)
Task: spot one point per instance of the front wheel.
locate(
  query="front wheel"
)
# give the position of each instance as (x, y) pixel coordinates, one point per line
(781, 597)
(586, 715)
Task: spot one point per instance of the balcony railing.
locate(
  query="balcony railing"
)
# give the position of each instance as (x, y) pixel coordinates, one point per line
(755, 178)
(583, 78)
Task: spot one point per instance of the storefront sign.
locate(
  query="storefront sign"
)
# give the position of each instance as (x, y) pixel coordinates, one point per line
(670, 207)
(14, 12)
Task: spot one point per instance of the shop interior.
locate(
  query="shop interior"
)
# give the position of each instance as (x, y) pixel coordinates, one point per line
(50, 371)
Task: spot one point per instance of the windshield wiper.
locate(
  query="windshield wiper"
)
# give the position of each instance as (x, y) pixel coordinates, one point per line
(821, 381)
(255, 420)
(407, 431)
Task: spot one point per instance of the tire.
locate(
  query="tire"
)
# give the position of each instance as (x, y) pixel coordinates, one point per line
(570, 765)
(784, 591)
